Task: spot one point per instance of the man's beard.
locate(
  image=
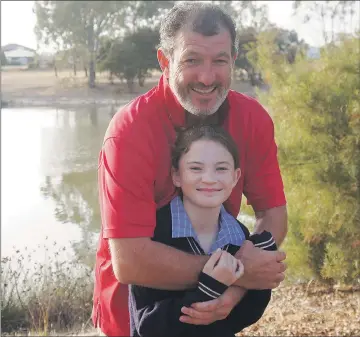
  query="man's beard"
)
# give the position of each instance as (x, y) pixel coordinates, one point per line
(184, 97)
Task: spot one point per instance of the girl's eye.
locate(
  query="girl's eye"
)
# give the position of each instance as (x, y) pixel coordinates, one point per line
(222, 168)
(195, 168)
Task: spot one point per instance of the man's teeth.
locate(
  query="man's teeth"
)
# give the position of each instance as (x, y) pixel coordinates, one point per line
(204, 91)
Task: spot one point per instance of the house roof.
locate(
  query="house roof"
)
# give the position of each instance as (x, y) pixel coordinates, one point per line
(19, 53)
(14, 46)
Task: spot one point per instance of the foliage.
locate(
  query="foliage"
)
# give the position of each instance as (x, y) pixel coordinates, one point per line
(283, 43)
(133, 57)
(3, 61)
(316, 111)
(331, 15)
(70, 24)
(144, 14)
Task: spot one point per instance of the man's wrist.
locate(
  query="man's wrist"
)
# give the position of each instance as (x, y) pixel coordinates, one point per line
(237, 293)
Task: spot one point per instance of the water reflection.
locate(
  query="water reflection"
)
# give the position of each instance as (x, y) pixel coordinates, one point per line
(49, 170)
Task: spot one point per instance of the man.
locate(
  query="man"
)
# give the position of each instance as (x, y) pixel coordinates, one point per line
(197, 55)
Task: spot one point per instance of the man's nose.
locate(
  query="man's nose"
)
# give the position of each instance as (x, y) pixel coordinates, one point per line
(206, 75)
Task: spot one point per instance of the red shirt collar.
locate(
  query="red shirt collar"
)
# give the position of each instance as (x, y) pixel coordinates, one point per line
(172, 106)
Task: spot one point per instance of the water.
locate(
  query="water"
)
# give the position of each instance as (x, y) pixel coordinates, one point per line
(49, 179)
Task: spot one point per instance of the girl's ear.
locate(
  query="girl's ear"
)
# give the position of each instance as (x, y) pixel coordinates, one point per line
(237, 175)
(175, 177)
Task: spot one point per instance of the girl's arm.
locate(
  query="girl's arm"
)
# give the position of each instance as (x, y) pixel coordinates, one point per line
(161, 319)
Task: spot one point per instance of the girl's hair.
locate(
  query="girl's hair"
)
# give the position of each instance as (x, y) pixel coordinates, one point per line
(186, 137)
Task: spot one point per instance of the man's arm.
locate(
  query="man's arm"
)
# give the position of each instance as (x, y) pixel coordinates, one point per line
(142, 261)
(273, 220)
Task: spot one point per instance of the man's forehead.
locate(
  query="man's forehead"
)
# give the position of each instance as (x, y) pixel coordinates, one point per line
(189, 41)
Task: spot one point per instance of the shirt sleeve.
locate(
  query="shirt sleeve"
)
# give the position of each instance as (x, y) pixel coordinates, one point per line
(161, 318)
(126, 188)
(249, 310)
(263, 240)
(263, 186)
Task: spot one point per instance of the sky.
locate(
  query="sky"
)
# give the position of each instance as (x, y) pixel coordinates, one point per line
(18, 21)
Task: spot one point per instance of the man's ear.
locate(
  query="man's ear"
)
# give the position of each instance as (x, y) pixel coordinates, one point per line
(234, 57)
(163, 62)
(175, 177)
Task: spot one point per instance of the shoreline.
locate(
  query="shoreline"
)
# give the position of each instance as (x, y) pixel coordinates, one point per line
(62, 102)
(43, 89)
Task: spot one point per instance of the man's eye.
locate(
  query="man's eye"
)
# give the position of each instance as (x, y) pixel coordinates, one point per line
(195, 168)
(191, 61)
(221, 61)
(222, 168)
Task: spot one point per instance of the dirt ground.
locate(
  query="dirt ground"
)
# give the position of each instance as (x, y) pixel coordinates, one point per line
(39, 87)
(310, 310)
(302, 310)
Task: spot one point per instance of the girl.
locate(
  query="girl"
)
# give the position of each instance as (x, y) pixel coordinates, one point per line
(205, 169)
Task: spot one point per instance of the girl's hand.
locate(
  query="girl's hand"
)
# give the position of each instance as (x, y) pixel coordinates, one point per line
(223, 267)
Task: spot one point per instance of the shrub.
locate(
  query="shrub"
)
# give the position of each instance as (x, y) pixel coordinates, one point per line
(315, 106)
(40, 297)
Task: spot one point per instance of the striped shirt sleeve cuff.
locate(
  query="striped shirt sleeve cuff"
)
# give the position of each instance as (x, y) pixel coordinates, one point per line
(263, 240)
(210, 288)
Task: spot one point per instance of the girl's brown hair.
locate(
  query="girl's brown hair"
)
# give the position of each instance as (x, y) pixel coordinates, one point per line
(186, 137)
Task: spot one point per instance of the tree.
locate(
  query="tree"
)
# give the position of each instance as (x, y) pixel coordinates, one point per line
(284, 43)
(333, 15)
(144, 14)
(315, 108)
(133, 57)
(70, 24)
(3, 59)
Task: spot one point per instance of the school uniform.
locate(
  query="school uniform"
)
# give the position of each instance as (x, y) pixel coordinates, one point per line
(156, 313)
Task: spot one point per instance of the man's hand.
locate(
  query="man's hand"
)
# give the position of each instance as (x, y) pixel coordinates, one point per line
(263, 269)
(204, 313)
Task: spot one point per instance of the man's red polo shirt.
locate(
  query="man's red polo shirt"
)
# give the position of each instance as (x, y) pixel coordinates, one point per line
(134, 180)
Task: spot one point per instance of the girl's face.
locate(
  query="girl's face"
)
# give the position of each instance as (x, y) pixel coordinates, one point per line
(206, 174)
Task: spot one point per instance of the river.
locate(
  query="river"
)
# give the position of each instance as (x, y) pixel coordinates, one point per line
(49, 180)
(49, 171)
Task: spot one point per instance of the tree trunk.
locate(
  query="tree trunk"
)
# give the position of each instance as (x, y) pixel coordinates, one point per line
(86, 73)
(91, 45)
(74, 62)
(55, 70)
(130, 84)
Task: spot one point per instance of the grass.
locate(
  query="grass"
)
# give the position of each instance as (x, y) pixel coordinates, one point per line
(43, 297)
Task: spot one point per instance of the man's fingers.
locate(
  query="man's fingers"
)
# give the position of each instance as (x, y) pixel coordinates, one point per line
(282, 267)
(280, 256)
(196, 314)
(206, 306)
(195, 321)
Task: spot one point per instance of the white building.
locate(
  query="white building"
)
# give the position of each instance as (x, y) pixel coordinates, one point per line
(18, 55)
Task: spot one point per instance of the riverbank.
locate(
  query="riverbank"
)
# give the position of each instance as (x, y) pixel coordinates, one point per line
(24, 88)
(57, 300)
(301, 310)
